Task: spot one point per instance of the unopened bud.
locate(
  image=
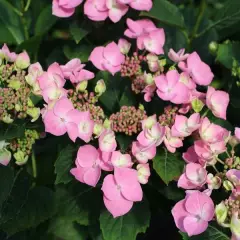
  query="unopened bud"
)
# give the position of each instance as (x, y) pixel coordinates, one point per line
(197, 105)
(100, 87)
(82, 86)
(23, 60)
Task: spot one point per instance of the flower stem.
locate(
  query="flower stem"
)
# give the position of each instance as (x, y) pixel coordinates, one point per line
(215, 168)
(34, 165)
(219, 160)
(205, 113)
(27, 5)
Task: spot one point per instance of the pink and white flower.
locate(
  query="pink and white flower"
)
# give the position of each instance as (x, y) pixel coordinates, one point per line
(65, 8)
(107, 141)
(143, 173)
(143, 154)
(179, 56)
(121, 160)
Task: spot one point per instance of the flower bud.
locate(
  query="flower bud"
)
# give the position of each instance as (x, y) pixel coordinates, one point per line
(141, 107)
(98, 129)
(23, 60)
(213, 47)
(221, 212)
(7, 119)
(148, 78)
(214, 182)
(107, 124)
(21, 159)
(34, 113)
(197, 105)
(18, 107)
(162, 62)
(149, 122)
(153, 63)
(233, 141)
(235, 225)
(82, 86)
(124, 46)
(228, 185)
(5, 156)
(143, 173)
(100, 87)
(14, 84)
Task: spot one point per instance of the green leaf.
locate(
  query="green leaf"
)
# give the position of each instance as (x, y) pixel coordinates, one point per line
(10, 131)
(67, 230)
(165, 12)
(6, 36)
(128, 226)
(11, 21)
(45, 21)
(115, 86)
(128, 98)
(78, 202)
(168, 165)
(227, 18)
(38, 207)
(63, 165)
(17, 197)
(78, 32)
(212, 233)
(124, 142)
(227, 52)
(82, 52)
(6, 181)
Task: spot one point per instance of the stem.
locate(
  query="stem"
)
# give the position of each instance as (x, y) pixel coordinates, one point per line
(219, 160)
(24, 22)
(205, 114)
(228, 154)
(34, 165)
(215, 168)
(27, 5)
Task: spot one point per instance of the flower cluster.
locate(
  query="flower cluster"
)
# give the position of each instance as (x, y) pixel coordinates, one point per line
(15, 92)
(100, 10)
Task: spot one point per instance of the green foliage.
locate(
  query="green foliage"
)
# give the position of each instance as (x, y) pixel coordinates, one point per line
(168, 166)
(128, 226)
(11, 131)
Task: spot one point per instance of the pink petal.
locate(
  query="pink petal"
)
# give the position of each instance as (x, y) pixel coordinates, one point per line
(87, 156)
(194, 226)
(92, 176)
(96, 57)
(62, 107)
(110, 188)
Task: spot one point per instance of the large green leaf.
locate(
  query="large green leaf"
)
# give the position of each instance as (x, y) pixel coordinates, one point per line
(6, 181)
(38, 207)
(45, 21)
(212, 233)
(6, 36)
(63, 164)
(126, 227)
(67, 229)
(77, 51)
(165, 12)
(11, 21)
(78, 202)
(78, 32)
(168, 165)
(10, 131)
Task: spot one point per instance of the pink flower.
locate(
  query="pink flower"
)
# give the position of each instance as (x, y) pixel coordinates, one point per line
(96, 10)
(179, 56)
(143, 154)
(72, 67)
(199, 71)
(190, 155)
(84, 123)
(184, 126)
(237, 133)
(152, 136)
(6, 54)
(124, 45)
(195, 176)
(154, 41)
(192, 214)
(121, 190)
(116, 10)
(5, 156)
(107, 58)
(153, 62)
(214, 182)
(233, 175)
(171, 89)
(107, 141)
(212, 133)
(23, 60)
(65, 8)
(58, 120)
(143, 173)
(217, 102)
(141, 5)
(121, 160)
(88, 168)
(171, 142)
(149, 91)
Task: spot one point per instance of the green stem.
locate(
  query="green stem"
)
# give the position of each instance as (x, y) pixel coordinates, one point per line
(219, 160)
(24, 22)
(199, 20)
(205, 114)
(215, 168)
(27, 5)
(34, 165)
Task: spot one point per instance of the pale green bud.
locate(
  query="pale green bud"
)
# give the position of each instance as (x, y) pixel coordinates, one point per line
(7, 119)
(228, 185)
(34, 113)
(141, 107)
(235, 225)
(213, 47)
(21, 159)
(221, 212)
(197, 105)
(14, 84)
(23, 60)
(100, 87)
(162, 62)
(148, 78)
(107, 124)
(18, 107)
(98, 129)
(82, 86)
(30, 103)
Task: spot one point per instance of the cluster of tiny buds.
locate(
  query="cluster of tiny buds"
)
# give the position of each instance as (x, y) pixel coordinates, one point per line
(128, 120)
(232, 163)
(168, 117)
(87, 102)
(138, 84)
(25, 143)
(132, 65)
(14, 94)
(233, 206)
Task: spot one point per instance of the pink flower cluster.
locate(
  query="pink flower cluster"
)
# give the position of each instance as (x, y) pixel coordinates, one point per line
(100, 10)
